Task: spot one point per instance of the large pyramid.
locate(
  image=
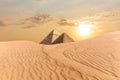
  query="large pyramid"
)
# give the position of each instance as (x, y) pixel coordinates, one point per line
(50, 37)
(63, 38)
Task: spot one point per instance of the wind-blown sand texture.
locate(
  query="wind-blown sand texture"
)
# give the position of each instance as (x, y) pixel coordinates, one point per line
(94, 59)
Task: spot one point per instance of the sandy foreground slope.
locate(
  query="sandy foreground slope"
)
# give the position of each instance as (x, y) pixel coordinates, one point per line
(94, 59)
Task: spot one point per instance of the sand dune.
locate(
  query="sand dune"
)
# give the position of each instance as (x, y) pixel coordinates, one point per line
(94, 59)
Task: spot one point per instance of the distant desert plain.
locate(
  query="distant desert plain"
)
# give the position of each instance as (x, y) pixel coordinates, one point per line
(93, 59)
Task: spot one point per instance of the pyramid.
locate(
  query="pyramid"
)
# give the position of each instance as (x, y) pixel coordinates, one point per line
(63, 38)
(55, 35)
(50, 37)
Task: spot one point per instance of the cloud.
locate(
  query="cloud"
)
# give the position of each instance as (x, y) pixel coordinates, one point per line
(2, 24)
(65, 22)
(105, 17)
(106, 20)
(39, 18)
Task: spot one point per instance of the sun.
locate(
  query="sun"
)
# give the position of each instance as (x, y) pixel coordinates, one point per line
(85, 29)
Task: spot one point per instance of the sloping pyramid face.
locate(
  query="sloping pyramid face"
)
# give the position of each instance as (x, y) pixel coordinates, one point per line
(55, 35)
(67, 38)
(50, 37)
(59, 39)
(63, 38)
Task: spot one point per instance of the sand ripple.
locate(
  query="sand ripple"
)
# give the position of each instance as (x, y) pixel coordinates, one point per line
(95, 59)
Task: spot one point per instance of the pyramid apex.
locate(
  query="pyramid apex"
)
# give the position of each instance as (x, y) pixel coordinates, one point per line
(63, 38)
(50, 37)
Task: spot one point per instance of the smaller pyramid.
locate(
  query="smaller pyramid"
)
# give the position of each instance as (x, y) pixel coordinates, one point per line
(63, 38)
(50, 37)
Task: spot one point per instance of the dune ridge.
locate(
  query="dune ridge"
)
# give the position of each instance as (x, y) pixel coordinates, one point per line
(94, 59)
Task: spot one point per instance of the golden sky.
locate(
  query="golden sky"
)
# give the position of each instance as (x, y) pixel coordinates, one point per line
(34, 19)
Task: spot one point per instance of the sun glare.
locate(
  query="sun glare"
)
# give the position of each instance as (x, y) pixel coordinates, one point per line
(85, 29)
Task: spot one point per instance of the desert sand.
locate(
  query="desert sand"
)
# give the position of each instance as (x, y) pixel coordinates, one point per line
(93, 59)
